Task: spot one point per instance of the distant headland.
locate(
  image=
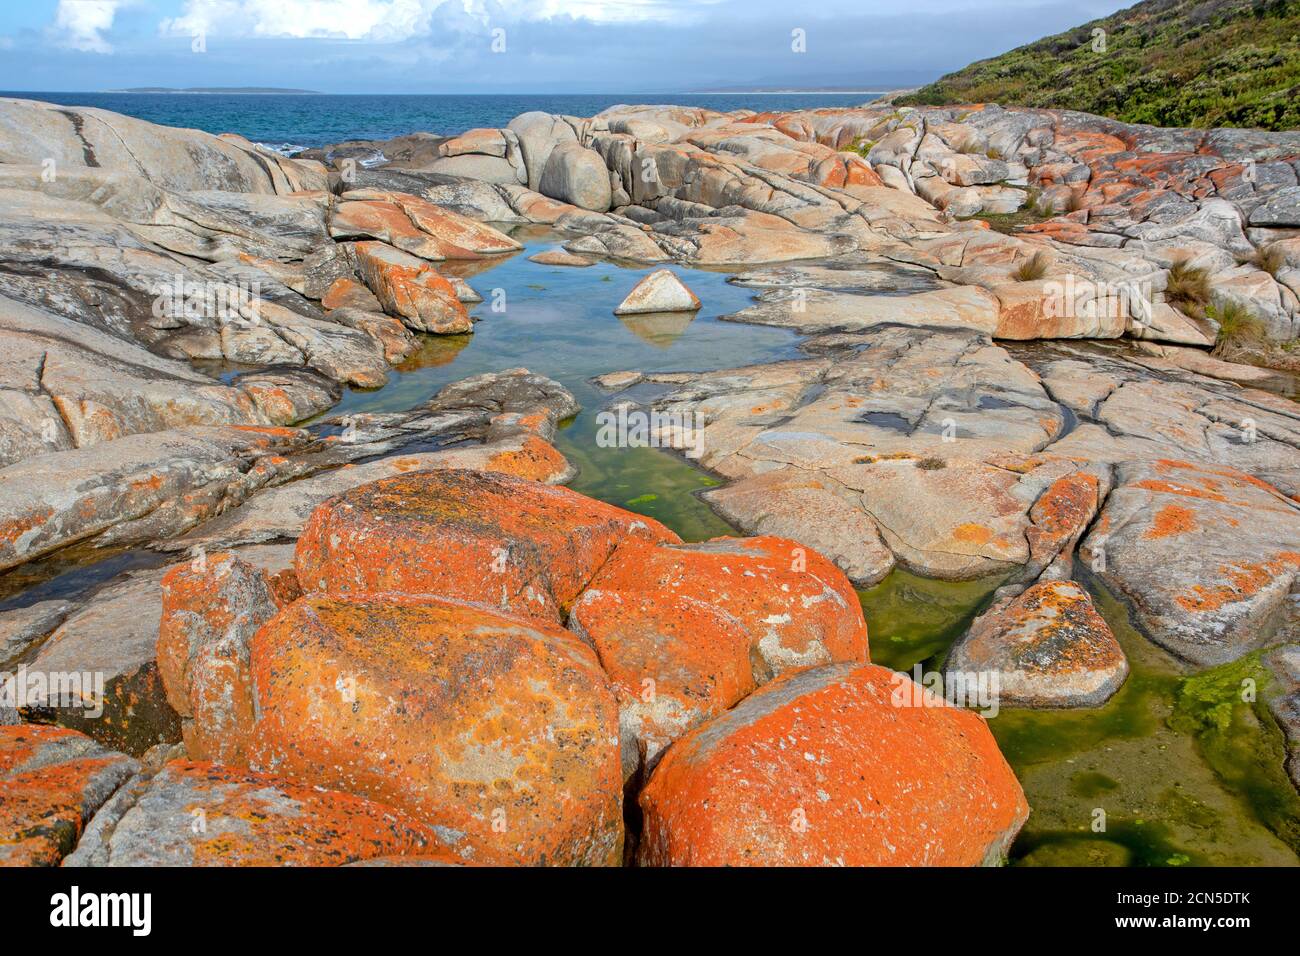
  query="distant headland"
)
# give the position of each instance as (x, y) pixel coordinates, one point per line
(242, 90)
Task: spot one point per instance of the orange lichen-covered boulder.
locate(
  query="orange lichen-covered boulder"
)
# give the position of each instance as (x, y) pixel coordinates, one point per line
(201, 814)
(1207, 556)
(847, 765)
(674, 662)
(687, 630)
(523, 547)
(1047, 647)
(384, 221)
(797, 607)
(452, 235)
(411, 290)
(500, 733)
(211, 607)
(51, 781)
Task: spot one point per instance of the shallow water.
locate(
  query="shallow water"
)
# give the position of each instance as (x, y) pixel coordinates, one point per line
(559, 321)
(1126, 784)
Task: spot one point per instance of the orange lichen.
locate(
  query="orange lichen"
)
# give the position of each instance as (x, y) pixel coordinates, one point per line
(1172, 520)
(502, 731)
(972, 533)
(839, 774)
(1243, 580)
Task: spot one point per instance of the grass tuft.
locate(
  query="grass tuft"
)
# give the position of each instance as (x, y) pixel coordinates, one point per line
(1188, 289)
(1241, 332)
(1035, 267)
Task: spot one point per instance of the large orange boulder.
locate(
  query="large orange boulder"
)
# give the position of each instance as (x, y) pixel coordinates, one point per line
(211, 607)
(520, 546)
(687, 630)
(51, 781)
(674, 662)
(849, 765)
(798, 608)
(201, 814)
(412, 290)
(499, 733)
(452, 235)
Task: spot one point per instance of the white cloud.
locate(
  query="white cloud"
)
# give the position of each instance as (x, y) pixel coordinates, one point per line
(81, 24)
(396, 20)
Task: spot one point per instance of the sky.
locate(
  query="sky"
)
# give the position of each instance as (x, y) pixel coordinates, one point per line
(512, 46)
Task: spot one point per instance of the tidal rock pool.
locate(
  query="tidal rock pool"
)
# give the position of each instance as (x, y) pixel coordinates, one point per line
(1157, 776)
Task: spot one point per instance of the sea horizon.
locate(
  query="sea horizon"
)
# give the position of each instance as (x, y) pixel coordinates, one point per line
(288, 122)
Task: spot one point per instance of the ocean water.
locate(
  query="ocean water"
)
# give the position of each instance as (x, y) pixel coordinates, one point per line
(285, 120)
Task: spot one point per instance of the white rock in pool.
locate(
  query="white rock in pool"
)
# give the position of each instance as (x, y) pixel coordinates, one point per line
(660, 291)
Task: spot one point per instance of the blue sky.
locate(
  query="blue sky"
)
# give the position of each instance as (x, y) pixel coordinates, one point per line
(460, 46)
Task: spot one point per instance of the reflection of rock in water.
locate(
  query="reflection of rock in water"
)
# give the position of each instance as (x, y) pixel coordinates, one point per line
(660, 329)
(469, 268)
(434, 351)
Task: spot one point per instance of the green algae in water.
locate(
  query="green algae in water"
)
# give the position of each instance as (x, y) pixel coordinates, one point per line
(1166, 800)
(911, 619)
(1165, 803)
(1225, 710)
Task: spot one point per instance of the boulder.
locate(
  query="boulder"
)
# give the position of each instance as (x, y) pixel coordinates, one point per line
(660, 291)
(499, 733)
(1206, 556)
(524, 548)
(537, 134)
(848, 765)
(454, 236)
(184, 159)
(798, 609)
(576, 175)
(411, 290)
(1047, 647)
(211, 607)
(686, 631)
(385, 221)
(200, 814)
(53, 781)
(559, 257)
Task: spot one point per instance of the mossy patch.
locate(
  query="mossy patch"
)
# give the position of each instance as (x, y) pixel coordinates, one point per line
(1225, 710)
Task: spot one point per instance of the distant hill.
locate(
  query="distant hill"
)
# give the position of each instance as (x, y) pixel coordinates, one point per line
(1194, 63)
(211, 89)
